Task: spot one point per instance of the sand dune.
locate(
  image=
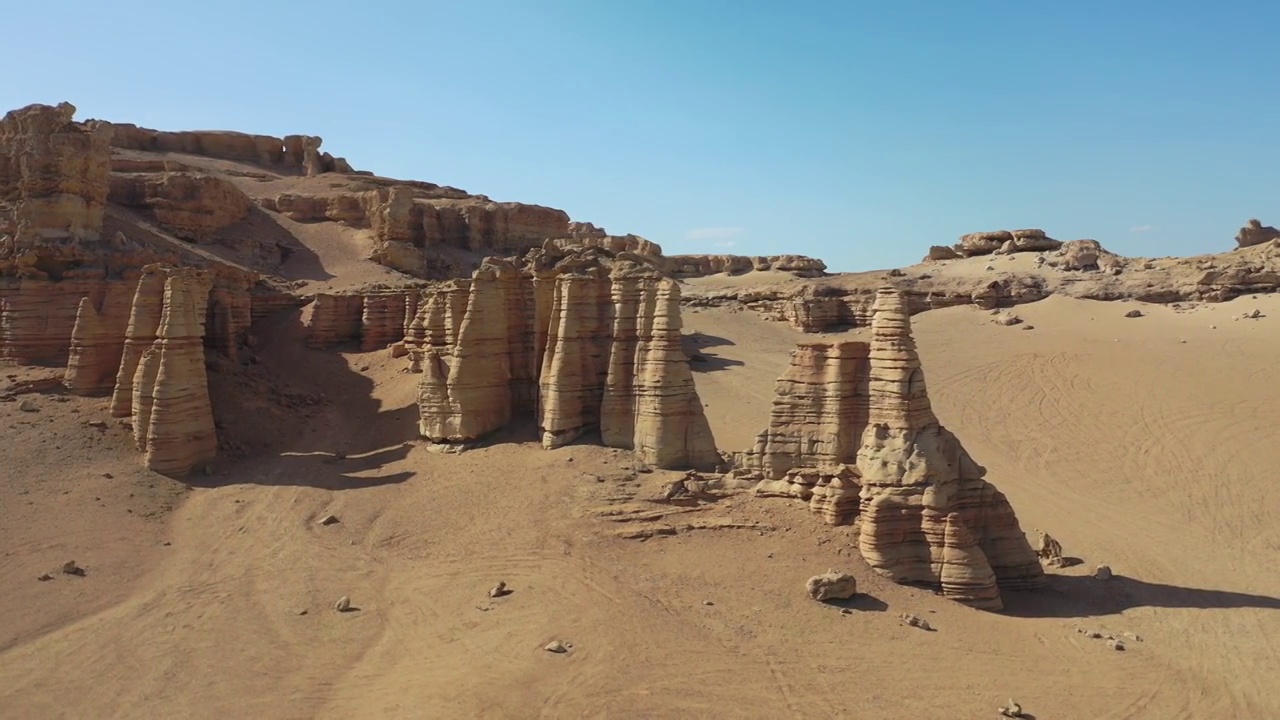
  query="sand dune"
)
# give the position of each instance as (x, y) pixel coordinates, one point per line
(1130, 446)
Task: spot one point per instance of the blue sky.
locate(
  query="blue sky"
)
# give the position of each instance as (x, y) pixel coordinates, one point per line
(857, 132)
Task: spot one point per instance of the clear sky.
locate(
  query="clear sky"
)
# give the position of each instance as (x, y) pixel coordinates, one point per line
(858, 132)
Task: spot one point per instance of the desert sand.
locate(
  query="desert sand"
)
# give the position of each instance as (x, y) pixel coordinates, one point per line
(1140, 443)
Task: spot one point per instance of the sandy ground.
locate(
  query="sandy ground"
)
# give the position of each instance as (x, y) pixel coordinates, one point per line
(1130, 446)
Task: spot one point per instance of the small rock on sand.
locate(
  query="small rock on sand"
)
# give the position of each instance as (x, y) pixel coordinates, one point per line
(555, 646)
(915, 621)
(499, 590)
(28, 406)
(832, 585)
(1103, 572)
(71, 568)
(343, 604)
(328, 520)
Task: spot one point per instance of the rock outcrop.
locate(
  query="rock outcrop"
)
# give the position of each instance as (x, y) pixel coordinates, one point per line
(294, 154)
(1255, 233)
(191, 206)
(171, 411)
(579, 343)
(1004, 242)
(856, 414)
(693, 266)
(97, 343)
(53, 190)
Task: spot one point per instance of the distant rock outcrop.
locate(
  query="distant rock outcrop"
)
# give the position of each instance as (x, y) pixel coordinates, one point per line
(297, 154)
(854, 417)
(692, 266)
(580, 342)
(1255, 233)
(1004, 242)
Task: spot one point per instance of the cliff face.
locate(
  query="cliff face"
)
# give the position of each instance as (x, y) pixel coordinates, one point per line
(295, 154)
(855, 417)
(580, 343)
(691, 266)
(53, 190)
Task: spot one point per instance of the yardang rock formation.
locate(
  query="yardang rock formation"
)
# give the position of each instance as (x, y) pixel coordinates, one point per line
(853, 420)
(579, 342)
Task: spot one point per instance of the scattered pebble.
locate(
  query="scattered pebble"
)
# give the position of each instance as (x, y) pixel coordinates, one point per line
(328, 520)
(499, 590)
(343, 604)
(708, 603)
(1133, 314)
(1116, 644)
(1103, 572)
(45, 577)
(71, 568)
(916, 621)
(303, 611)
(1012, 710)
(556, 646)
(28, 406)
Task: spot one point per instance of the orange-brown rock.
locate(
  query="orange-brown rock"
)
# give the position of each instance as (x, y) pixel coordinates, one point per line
(191, 206)
(1255, 233)
(140, 334)
(691, 266)
(298, 154)
(582, 343)
(97, 343)
(171, 411)
(53, 190)
(855, 417)
(1004, 242)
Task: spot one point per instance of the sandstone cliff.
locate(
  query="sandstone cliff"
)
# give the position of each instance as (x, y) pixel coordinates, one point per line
(298, 154)
(581, 343)
(854, 418)
(191, 206)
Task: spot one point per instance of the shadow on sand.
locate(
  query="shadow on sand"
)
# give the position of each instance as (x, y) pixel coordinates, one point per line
(305, 417)
(695, 345)
(861, 602)
(1084, 596)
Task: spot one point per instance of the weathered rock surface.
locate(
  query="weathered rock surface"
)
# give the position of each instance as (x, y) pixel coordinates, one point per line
(941, 252)
(927, 516)
(691, 266)
(581, 343)
(832, 585)
(53, 190)
(191, 206)
(298, 154)
(140, 335)
(1004, 242)
(170, 409)
(1255, 233)
(97, 342)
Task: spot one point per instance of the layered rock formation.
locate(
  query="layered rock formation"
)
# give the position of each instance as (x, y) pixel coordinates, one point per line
(191, 206)
(692, 266)
(1255, 233)
(857, 415)
(53, 190)
(171, 411)
(579, 343)
(1005, 241)
(295, 154)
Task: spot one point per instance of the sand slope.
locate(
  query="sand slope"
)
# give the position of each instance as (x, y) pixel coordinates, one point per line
(1129, 446)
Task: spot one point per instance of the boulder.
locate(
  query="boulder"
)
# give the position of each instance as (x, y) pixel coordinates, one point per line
(832, 585)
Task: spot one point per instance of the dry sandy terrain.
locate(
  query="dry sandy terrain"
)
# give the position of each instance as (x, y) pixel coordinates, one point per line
(1130, 446)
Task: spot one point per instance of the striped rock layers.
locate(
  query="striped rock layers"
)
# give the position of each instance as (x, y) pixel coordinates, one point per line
(583, 344)
(858, 415)
(172, 415)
